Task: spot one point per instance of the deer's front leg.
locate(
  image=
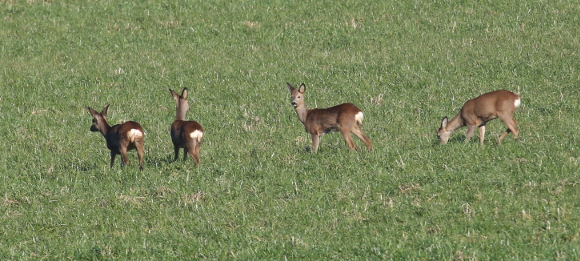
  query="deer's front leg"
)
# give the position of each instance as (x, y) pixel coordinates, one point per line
(315, 141)
(176, 150)
(113, 154)
(481, 134)
(470, 131)
(348, 138)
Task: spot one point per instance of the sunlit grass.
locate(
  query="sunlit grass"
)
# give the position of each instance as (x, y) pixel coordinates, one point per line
(259, 193)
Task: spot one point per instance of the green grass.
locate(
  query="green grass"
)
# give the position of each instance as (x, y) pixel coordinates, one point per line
(259, 193)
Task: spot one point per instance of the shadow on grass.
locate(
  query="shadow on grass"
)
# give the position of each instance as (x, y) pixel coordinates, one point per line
(167, 159)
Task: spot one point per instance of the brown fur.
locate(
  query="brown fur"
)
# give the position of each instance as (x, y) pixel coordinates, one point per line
(478, 111)
(119, 138)
(181, 130)
(318, 122)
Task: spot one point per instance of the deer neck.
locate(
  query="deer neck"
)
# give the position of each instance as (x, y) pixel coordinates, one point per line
(104, 127)
(180, 115)
(302, 113)
(455, 123)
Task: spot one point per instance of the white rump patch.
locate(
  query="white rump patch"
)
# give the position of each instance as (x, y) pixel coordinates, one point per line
(134, 133)
(196, 135)
(517, 103)
(359, 117)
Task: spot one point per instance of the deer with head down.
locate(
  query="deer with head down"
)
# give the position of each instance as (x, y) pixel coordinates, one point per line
(185, 134)
(478, 111)
(120, 138)
(345, 118)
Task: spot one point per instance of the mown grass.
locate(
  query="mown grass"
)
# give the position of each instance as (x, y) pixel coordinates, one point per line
(259, 193)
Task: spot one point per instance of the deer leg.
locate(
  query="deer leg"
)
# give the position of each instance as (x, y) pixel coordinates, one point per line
(315, 141)
(139, 146)
(124, 157)
(503, 135)
(113, 154)
(470, 131)
(360, 134)
(511, 124)
(348, 139)
(481, 134)
(191, 151)
(515, 129)
(176, 152)
(197, 147)
(185, 152)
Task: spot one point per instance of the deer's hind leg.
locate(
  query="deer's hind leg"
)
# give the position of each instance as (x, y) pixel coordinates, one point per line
(360, 134)
(124, 157)
(192, 148)
(197, 148)
(511, 124)
(140, 152)
(348, 138)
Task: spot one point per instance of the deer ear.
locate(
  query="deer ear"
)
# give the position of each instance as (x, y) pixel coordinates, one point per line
(105, 110)
(444, 122)
(184, 93)
(92, 111)
(302, 88)
(290, 87)
(174, 94)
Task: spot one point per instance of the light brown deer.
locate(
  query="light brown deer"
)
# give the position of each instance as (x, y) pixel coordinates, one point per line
(185, 134)
(345, 118)
(120, 138)
(478, 111)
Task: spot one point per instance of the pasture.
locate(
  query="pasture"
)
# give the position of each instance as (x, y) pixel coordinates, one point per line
(258, 192)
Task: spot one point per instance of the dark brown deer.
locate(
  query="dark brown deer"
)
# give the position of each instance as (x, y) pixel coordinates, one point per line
(345, 118)
(120, 138)
(185, 134)
(478, 111)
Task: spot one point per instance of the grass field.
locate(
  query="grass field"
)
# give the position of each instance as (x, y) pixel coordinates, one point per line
(259, 193)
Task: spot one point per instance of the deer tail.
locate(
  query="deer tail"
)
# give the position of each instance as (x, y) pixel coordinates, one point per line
(359, 118)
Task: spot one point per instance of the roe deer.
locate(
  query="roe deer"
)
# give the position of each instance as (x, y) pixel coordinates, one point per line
(345, 118)
(185, 134)
(478, 111)
(120, 138)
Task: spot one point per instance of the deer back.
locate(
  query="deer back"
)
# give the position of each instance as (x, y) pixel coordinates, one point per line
(331, 118)
(182, 131)
(117, 136)
(489, 105)
(125, 134)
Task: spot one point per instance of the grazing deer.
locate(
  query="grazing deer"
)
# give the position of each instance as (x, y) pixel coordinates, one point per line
(477, 112)
(345, 118)
(185, 134)
(120, 138)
